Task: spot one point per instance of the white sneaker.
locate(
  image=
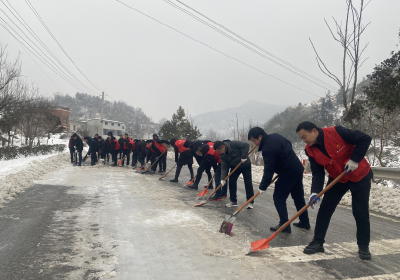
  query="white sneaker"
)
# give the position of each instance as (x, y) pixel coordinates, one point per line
(231, 204)
(250, 206)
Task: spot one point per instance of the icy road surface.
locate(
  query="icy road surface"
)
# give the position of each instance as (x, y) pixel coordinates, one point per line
(103, 222)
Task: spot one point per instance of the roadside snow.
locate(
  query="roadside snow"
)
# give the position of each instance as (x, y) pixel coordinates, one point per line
(14, 183)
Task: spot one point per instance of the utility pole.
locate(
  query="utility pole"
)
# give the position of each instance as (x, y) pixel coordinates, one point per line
(148, 129)
(102, 109)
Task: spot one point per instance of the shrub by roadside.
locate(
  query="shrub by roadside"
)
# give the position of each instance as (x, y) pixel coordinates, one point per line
(7, 153)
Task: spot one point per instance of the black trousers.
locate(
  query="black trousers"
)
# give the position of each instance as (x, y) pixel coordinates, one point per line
(205, 165)
(248, 183)
(179, 168)
(162, 162)
(93, 158)
(127, 156)
(152, 160)
(134, 158)
(360, 206)
(114, 154)
(292, 185)
(141, 158)
(72, 151)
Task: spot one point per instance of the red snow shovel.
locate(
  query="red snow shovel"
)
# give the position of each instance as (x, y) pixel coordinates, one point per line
(203, 193)
(264, 243)
(220, 185)
(191, 182)
(119, 162)
(167, 173)
(227, 224)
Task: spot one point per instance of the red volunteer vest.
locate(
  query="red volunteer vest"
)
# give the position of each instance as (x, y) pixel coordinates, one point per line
(213, 152)
(340, 152)
(69, 143)
(148, 147)
(117, 146)
(159, 146)
(132, 143)
(179, 144)
(125, 146)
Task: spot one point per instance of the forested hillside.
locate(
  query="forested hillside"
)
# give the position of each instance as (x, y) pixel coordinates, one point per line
(84, 106)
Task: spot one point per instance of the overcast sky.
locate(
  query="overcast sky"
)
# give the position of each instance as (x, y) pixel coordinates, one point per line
(149, 65)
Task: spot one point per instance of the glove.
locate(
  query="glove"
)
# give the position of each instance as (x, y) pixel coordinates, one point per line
(223, 182)
(316, 200)
(157, 158)
(261, 191)
(244, 159)
(351, 166)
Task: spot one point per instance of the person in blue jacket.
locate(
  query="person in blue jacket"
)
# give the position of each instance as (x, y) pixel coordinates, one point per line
(93, 148)
(280, 158)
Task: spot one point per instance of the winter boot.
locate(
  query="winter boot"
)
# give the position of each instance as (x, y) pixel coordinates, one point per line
(250, 205)
(160, 171)
(301, 224)
(174, 180)
(287, 229)
(232, 204)
(364, 253)
(211, 187)
(194, 187)
(215, 198)
(314, 247)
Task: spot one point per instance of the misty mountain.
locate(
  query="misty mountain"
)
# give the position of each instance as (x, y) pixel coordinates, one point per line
(256, 112)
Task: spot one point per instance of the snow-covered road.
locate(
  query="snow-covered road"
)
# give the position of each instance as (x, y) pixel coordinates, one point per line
(102, 222)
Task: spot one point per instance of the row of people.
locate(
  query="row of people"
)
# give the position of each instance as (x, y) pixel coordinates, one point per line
(333, 149)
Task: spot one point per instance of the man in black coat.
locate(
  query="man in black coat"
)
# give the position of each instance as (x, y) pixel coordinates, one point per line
(135, 153)
(141, 151)
(71, 149)
(102, 147)
(280, 158)
(93, 147)
(78, 144)
(183, 156)
(114, 149)
(158, 147)
(204, 165)
(121, 143)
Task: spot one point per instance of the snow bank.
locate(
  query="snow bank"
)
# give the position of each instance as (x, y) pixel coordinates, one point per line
(14, 183)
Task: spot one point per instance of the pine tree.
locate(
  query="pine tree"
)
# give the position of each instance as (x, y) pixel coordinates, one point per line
(179, 127)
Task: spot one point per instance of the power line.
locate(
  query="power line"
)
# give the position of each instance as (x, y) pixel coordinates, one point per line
(58, 43)
(284, 64)
(231, 57)
(26, 26)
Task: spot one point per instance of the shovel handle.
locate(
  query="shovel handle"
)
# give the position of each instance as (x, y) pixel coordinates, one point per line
(251, 199)
(168, 171)
(229, 175)
(210, 181)
(160, 156)
(308, 205)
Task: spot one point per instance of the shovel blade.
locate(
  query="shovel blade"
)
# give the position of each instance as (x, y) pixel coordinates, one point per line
(261, 244)
(201, 203)
(202, 193)
(189, 183)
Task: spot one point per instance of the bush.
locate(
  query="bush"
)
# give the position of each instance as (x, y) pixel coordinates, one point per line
(7, 153)
(64, 136)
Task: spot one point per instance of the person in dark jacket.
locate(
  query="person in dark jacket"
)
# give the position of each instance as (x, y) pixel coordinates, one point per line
(126, 148)
(183, 156)
(336, 149)
(160, 152)
(93, 147)
(78, 144)
(212, 156)
(231, 154)
(108, 149)
(280, 158)
(134, 153)
(121, 143)
(141, 150)
(71, 149)
(115, 148)
(204, 165)
(102, 148)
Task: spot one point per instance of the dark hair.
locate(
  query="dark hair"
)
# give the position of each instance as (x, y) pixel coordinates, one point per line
(172, 141)
(149, 141)
(204, 149)
(255, 132)
(73, 135)
(99, 137)
(96, 134)
(110, 133)
(126, 134)
(218, 144)
(87, 138)
(307, 126)
(188, 144)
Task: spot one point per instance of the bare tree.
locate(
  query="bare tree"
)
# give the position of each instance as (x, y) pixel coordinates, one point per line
(348, 36)
(9, 72)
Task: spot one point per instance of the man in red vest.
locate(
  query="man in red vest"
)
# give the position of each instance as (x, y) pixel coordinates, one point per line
(126, 148)
(185, 157)
(336, 149)
(115, 148)
(161, 152)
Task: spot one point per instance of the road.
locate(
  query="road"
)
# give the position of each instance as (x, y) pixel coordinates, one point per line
(102, 222)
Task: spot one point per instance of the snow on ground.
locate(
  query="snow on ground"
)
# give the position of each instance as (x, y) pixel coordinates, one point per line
(26, 171)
